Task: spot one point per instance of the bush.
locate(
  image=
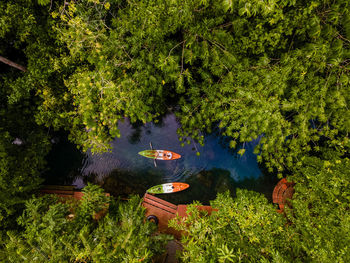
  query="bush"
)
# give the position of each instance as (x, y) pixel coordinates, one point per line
(49, 234)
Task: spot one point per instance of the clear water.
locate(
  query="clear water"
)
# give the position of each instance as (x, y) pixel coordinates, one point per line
(218, 168)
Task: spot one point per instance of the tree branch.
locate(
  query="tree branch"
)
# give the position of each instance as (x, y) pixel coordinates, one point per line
(12, 64)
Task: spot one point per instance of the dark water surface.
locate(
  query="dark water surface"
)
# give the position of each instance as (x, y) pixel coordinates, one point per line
(123, 171)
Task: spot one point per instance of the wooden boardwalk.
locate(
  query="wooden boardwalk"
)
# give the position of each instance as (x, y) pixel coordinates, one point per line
(283, 191)
(69, 192)
(164, 211)
(64, 191)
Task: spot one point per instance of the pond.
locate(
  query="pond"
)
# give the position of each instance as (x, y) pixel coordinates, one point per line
(123, 171)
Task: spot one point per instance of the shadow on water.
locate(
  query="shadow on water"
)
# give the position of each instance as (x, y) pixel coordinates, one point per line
(135, 135)
(64, 162)
(123, 171)
(124, 183)
(204, 187)
(264, 185)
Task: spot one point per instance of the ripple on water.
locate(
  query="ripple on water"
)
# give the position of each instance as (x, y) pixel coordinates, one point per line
(206, 172)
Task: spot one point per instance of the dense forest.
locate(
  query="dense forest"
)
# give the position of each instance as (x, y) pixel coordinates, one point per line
(277, 70)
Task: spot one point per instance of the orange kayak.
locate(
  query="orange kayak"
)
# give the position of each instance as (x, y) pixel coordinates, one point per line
(160, 154)
(168, 188)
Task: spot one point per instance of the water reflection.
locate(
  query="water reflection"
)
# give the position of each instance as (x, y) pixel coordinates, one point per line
(123, 171)
(64, 162)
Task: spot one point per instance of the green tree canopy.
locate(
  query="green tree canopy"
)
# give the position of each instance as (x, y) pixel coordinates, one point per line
(315, 228)
(244, 229)
(277, 69)
(51, 234)
(320, 211)
(23, 144)
(20, 165)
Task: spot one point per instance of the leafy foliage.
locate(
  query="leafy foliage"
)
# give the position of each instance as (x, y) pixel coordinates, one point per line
(26, 38)
(314, 229)
(19, 173)
(320, 212)
(23, 144)
(50, 234)
(256, 71)
(244, 229)
(23, 147)
(251, 67)
(275, 70)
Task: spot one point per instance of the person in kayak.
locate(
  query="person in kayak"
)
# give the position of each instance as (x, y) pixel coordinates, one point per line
(160, 155)
(169, 156)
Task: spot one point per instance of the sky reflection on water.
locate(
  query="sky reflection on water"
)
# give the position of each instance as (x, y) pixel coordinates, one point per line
(212, 155)
(217, 169)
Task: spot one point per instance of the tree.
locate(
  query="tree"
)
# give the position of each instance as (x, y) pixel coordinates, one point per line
(26, 39)
(250, 68)
(20, 167)
(314, 228)
(51, 234)
(244, 229)
(277, 71)
(23, 147)
(320, 211)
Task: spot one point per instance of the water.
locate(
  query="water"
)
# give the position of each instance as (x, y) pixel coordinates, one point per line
(218, 168)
